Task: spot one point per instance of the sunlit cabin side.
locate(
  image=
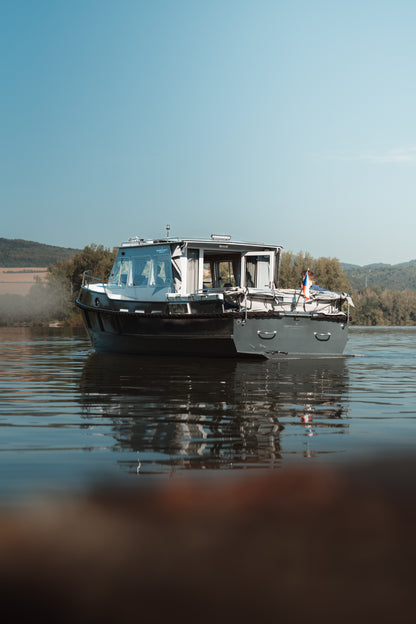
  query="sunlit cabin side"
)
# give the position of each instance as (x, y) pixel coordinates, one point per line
(152, 270)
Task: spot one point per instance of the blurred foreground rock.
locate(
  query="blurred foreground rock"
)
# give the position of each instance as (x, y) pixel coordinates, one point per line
(298, 545)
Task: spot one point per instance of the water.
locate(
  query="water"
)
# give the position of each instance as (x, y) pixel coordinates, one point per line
(70, 419)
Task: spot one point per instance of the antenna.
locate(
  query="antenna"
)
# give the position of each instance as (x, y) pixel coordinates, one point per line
(167, 230)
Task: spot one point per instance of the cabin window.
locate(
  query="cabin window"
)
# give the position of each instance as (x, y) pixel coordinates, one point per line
(208, 279)
(251, 272)
(258, 271)
(142, 271)
(120, 274)
(193, 270)
(221, 271)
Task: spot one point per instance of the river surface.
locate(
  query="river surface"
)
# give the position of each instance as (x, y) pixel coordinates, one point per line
(71, 419)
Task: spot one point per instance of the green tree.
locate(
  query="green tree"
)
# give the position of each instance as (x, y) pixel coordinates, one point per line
(94, 258)
(328, 272)
(374, 306)
(368, 309)
(291, 267)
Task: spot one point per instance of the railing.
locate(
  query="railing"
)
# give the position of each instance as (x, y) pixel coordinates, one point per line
(87, 278)
(220, 290)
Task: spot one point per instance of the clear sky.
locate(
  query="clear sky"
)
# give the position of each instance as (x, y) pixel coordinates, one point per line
(285, 121)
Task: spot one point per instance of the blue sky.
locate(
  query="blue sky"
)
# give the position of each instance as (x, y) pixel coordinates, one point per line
(289, 122)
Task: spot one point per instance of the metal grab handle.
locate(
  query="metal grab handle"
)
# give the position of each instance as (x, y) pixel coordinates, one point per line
(322, 337)
(266, 335)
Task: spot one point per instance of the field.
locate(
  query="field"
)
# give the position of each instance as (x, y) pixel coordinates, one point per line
(18, 281)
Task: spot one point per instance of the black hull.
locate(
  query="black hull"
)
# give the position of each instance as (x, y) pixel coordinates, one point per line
(220, 335)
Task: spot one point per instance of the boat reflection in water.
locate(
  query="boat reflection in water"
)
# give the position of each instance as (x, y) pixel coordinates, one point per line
(197, 413)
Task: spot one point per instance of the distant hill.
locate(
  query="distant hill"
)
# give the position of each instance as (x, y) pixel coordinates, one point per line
(21, 253)
(392, 276)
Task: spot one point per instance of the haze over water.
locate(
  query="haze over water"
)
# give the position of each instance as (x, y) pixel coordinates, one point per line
(71, 419)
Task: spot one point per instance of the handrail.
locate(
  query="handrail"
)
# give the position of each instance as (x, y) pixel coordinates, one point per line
(219, 289)
(86, 278)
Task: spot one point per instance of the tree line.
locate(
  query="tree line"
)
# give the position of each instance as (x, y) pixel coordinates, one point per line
(53, 298)
(377, 306)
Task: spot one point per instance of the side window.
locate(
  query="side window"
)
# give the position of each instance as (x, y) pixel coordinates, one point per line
(222, 271)
(208, 275)
(193, 270)
(257, 271)
(226, 274)
(251, 272)
(263, 272)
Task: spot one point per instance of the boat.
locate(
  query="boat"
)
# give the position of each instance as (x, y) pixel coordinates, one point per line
(210, 297)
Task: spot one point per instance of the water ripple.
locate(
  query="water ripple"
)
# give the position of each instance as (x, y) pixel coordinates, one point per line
(69, 417)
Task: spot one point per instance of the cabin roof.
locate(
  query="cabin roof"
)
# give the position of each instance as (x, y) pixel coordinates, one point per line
(215, 242)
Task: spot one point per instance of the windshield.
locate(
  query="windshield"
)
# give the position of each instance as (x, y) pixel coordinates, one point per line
(148, 269)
